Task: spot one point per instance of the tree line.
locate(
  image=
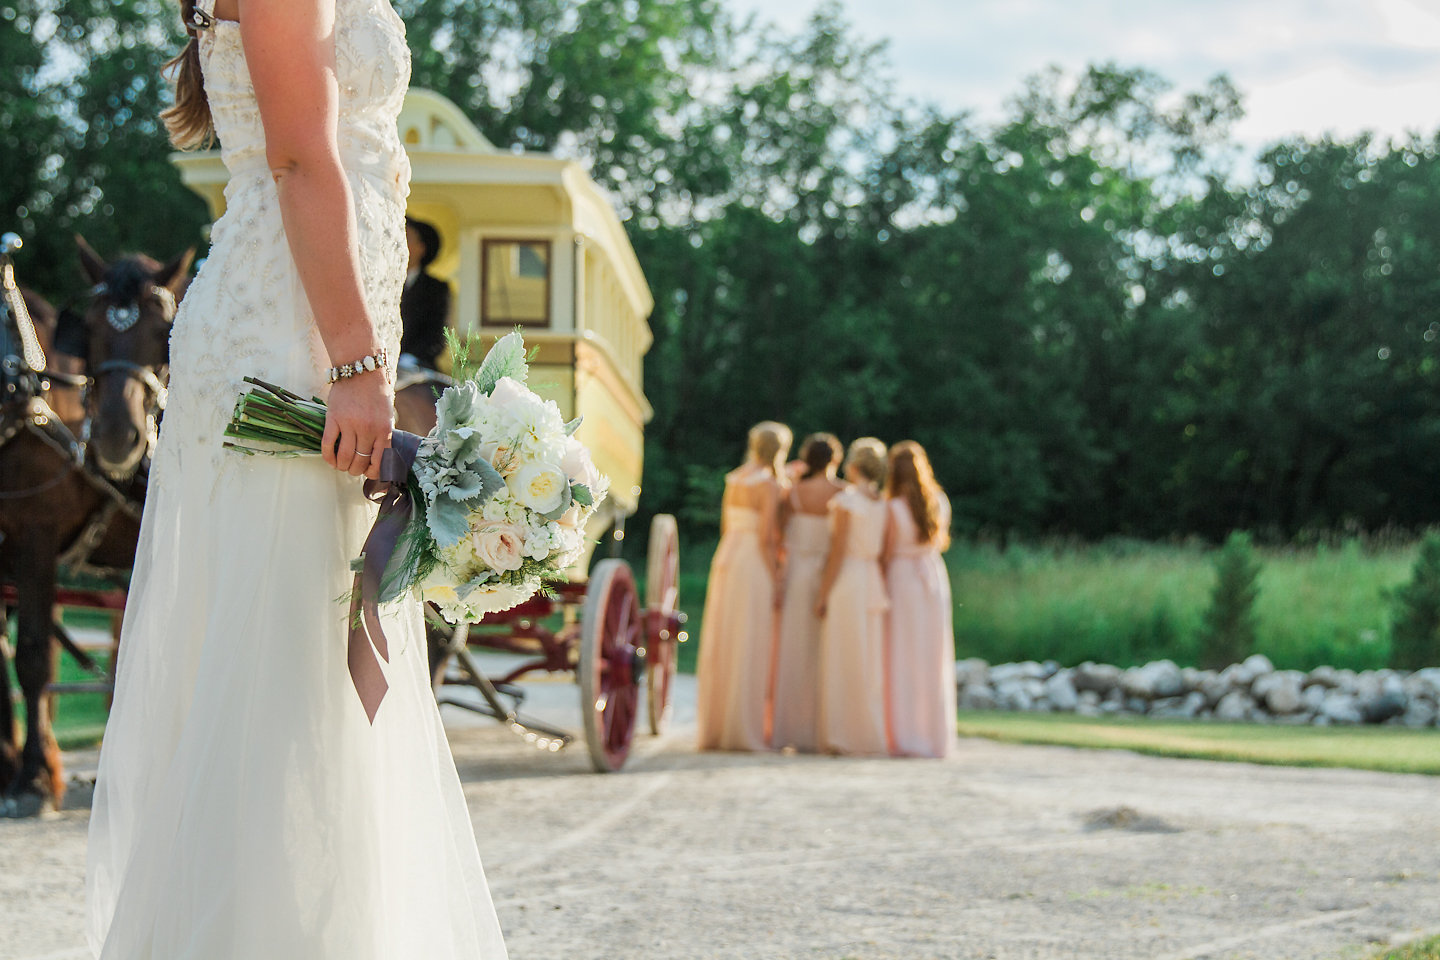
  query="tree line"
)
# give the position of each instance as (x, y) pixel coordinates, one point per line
(1096, 314)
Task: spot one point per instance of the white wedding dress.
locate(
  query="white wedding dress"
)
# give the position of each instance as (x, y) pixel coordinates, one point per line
(245, 809)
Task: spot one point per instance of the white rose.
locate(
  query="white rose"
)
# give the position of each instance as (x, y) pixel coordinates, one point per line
(579, 467)
(499, 546)
(540, 486)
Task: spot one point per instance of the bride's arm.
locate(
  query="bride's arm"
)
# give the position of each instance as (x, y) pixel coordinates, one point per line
(290, 49)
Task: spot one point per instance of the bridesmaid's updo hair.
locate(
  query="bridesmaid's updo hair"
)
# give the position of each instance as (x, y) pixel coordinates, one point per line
(769, 444)
(913, 480)
(188, 121)
(818, 452)
(867, 459)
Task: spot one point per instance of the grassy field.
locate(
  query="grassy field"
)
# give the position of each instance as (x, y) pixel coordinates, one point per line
(1390, 749)
(80, 720)
(1427, 949)
(1126, 602)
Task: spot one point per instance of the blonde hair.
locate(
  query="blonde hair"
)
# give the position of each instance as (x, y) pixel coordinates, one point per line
(769, 445)
(867, 457)
(913, 480)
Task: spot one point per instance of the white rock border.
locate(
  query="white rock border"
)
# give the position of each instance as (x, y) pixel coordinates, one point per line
(1251, 691)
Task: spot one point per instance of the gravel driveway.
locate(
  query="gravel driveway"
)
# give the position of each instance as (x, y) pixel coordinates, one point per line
(1003, 852)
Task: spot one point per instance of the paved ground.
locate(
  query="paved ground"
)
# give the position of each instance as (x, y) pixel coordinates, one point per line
(1001, 852)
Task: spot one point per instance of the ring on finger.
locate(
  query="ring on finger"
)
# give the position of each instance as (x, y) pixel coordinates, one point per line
(365, 455)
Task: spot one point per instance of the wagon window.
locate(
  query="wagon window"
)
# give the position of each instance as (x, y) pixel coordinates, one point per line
(516, 282)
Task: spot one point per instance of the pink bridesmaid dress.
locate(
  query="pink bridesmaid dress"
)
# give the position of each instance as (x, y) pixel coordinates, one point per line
(921, 640)
(737, 637)
(797, 664)
(852, 638)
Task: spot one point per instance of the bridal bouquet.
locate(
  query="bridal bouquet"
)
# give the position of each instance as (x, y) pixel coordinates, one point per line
(477, 515)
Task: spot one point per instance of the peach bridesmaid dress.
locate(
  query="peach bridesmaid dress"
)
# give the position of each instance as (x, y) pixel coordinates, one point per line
(737, 637)
(797, 666)
(852, 638)
(921, 640)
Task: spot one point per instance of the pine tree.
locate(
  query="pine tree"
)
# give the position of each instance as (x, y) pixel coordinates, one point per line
(1228, 633)
(1415, 624)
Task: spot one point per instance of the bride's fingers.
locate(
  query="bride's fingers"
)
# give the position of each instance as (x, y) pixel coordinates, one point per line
(345, 451)
(364, 454)
(328, 440)
(376, 453)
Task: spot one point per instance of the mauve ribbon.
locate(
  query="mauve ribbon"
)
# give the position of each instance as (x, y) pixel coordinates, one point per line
(367, 638)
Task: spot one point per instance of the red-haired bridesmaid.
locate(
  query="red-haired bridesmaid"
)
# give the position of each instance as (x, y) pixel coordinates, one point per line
(737, 638)
(852, 607)
(807, 542)
(921, 648)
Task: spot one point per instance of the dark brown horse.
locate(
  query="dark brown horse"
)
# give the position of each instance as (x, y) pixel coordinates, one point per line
(70, 504)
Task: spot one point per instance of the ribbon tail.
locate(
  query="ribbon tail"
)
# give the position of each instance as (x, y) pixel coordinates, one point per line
(367, 645)
(365, 672)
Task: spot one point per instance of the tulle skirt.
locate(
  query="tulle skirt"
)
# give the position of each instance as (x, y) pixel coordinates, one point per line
(245, 809)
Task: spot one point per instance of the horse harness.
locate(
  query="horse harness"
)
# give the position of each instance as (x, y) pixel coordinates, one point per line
(24, 380)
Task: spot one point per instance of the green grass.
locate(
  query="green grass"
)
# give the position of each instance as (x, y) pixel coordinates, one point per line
(80, 720)
(1390, 749)
(1428, 949)
(1126, 603)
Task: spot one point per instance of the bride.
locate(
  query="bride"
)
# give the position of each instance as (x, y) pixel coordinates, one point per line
(246, 808)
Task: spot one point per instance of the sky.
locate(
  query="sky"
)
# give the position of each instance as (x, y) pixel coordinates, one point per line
(1303, 66)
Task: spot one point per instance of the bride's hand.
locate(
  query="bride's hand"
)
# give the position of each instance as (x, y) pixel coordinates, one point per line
(359, 417)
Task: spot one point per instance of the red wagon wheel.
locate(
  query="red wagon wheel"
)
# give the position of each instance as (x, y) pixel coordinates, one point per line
(662, 599)
(612, 662)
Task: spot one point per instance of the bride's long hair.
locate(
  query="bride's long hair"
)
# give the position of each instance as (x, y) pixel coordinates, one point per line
(188, 121)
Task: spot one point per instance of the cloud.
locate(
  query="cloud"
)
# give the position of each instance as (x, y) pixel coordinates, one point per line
(1305, 66)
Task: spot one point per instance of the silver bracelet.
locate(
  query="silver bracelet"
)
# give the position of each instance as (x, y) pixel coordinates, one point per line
(375, 361)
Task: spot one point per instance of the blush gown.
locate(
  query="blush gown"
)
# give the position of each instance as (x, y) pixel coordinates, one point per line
(852, 640)
(921, 645)
(797, 659)
(245, 809)
(737, 636)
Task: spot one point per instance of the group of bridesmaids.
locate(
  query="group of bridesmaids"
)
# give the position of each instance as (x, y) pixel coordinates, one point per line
(828, 620)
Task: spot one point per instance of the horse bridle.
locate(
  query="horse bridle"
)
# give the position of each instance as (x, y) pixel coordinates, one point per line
(157, 395)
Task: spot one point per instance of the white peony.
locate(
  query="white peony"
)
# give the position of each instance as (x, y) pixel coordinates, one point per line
(539, 485)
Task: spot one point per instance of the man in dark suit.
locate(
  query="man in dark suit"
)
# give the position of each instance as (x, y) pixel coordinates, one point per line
(425, 302)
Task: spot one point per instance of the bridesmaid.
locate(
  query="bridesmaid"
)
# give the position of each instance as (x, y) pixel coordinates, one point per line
(852, 607)
(806, 524)
(921, 648)
(737, 638)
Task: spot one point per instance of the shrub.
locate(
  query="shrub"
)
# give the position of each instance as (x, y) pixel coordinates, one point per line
(1228, 629)
(1415, 630)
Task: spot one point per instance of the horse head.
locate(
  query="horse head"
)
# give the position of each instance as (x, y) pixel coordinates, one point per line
(127, 352)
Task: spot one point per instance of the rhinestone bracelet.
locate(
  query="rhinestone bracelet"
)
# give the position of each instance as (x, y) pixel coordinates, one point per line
(376, 361)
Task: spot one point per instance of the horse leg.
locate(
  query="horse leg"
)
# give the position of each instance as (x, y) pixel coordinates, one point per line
(40, 788)
(9, 732)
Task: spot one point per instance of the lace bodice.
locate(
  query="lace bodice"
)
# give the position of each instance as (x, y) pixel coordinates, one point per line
(246, 313)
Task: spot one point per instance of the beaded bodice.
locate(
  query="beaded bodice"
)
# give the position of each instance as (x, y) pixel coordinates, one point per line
(246, 313)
